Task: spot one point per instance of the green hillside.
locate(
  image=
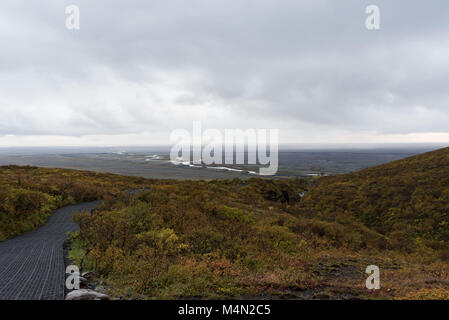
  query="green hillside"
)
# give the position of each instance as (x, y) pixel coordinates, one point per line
(256, 238)
(28, 195)
(407, 201)
(259, 239)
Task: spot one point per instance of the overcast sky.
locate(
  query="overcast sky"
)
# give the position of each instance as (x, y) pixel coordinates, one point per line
(138, 69)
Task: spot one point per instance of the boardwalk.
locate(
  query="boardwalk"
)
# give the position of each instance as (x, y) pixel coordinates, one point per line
(32, 265)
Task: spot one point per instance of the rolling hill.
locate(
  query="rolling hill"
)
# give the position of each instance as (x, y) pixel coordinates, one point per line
(407, 201)
(260, 239)
(257, 238)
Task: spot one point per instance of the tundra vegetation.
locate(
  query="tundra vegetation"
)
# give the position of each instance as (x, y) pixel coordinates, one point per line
(28, 195)
(261, 238)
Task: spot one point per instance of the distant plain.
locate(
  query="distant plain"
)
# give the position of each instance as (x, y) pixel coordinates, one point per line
(153, 162)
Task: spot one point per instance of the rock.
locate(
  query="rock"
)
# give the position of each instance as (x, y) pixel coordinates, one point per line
(86, 294)
(101, 289)
(84, 283)
(88, 274)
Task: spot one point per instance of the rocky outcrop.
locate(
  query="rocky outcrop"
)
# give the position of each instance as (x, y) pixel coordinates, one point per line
(86, 294)
(101, 289)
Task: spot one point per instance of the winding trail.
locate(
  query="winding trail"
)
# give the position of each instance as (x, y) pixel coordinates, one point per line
(32, 264)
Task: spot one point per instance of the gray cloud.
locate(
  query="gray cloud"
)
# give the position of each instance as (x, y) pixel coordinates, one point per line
(142, 67)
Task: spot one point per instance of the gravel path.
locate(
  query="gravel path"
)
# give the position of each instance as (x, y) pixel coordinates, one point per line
(32, 265)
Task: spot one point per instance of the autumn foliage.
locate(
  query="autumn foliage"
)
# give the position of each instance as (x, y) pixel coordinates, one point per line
(256, 238)
(260, 239)
(28, 195)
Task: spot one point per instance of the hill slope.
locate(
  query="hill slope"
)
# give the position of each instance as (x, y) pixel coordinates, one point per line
(254, 238)
(28, 195)
(405, 200)
(257, 238)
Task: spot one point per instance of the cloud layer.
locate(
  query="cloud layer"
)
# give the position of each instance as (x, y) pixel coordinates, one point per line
(138, 69)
